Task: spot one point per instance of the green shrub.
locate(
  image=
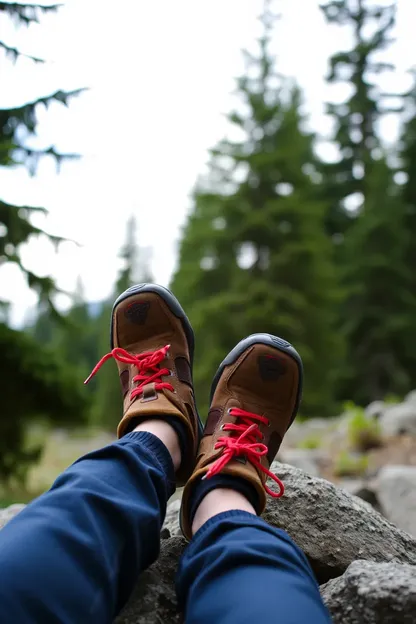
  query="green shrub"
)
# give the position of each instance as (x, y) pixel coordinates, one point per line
(347, 465)
(312, 442)
(392, 399)
(37, 385)
(364, 433)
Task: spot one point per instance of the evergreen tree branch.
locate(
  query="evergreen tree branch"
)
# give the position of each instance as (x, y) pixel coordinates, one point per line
(27, 13)
(14, 53)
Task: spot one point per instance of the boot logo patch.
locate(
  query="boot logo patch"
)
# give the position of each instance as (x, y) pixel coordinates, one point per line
(137, 312)
(271, 368)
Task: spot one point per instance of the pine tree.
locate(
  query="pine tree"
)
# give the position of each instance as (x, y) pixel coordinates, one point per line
(15, 221)
(75, 335)
(408, 167)
(26, 364)
(355, 120)
(108, 405)
(407, 156)
(380, 310)
(254, 255)
(367, 211)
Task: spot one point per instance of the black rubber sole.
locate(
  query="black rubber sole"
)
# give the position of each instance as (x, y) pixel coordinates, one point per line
(173, 305)
(272, 341)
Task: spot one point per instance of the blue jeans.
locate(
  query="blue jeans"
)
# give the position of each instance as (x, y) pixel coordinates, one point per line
(73, 555)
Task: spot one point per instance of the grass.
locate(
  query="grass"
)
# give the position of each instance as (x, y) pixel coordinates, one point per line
(347, 465)
(310, 443)
(364, 432)
(392, 399)
(60, 449)
(12, 496)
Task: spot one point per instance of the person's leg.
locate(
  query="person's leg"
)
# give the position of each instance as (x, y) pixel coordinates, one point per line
(238, 568)
(74, 554)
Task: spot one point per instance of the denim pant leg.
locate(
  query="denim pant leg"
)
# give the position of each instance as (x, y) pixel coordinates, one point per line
(240, 570)
(74, 554)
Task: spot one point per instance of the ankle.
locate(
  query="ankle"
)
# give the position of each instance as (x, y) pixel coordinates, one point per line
(217, 501)
(166, 434)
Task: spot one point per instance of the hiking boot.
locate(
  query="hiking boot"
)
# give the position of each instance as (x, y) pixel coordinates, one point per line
(255, 396)
(152, 343)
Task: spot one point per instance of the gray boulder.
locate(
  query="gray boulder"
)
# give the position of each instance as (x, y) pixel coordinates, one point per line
(411, 397)
(373, 593)
(366, 490)
(396, 492)
(154, 599)
(375, 409)
(313, 428)
(399, 419)
(333, 527)
(304, 459)
(171, 523)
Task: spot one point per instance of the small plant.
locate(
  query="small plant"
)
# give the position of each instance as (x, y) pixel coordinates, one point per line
(310, 443)
(347, 465)
(392, 399)
(364, 432)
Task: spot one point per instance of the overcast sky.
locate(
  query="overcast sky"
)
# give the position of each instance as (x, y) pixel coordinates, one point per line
(160, 75)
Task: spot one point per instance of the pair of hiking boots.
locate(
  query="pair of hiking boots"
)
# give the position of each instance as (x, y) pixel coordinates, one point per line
(255, 393)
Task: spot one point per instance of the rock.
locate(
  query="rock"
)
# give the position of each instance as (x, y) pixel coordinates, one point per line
(8, 513)
(333, 527)
(154, 600)
(304, 459)
(313, 428)
(361, 488)
(411, 397)
(372, 593)
(397, 495)
(399, 419)
(172, 518)
(375, 409)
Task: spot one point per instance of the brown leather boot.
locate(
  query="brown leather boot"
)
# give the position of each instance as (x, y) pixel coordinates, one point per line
(153, 343)
(254, 399)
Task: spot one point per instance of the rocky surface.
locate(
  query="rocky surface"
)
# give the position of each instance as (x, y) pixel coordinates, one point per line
(171, 524)
(396, 492)
(411, 397)
(399, 419)
(364, 561)
(375, 409)
(154, 600)
(299, 432)
(305, 459)
(333, 527)
(373, 593)
(364, 489)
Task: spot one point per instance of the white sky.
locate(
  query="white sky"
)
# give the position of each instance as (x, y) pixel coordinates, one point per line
(160, 75)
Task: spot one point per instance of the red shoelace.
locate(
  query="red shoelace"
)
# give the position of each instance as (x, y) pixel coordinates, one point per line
(147, 364)
(247, 443)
